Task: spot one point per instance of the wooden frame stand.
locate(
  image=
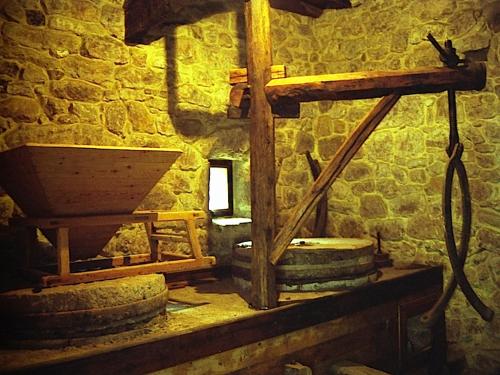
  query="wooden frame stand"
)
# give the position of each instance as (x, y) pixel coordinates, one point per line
(122, 266)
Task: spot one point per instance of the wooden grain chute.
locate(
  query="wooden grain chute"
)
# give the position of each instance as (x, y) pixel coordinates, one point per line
(80, 195)
(66, 180)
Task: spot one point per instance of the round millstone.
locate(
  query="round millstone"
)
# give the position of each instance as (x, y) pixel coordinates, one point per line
(314, 264)
(82, 310)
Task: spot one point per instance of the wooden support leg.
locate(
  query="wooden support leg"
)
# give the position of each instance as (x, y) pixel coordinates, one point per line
(193, 238)
(63, 252)
(262, 162)
(330, 174)
(153, 243)
(30, 245)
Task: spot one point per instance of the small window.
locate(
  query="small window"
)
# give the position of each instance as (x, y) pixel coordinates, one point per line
(220, 191)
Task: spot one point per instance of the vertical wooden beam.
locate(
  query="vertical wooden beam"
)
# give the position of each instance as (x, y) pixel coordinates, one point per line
(262, 164)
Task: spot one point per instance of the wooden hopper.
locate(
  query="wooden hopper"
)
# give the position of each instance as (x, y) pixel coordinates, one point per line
(49, 180)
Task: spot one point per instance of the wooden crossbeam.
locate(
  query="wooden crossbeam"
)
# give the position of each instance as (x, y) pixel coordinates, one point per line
(340, 160)
(311, 8)
(364, 85)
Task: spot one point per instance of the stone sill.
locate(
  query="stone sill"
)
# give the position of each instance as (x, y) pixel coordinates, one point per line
(231, 221)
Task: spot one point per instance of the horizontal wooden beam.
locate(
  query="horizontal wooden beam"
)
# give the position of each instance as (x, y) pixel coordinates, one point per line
(133, 270)
(364, 85)
(310, 8)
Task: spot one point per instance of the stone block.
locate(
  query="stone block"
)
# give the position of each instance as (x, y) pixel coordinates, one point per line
(76, 90)
(86, 112)
(83, 9)
(304, 143)
(9, 68)
(481, 106)
(357, 170)
(372, 206)
(328, 146)
(20, 109)
(20, 88)
(61, 44)
(54, 107)
(24, 35)
(34, 73)
(351, 228)
(190, 160)
(425, 227)
(390, 229)
(90, 70)
(62, 23)
(116, 117)
(138, 78)
(140, 118)
(105, 48)
(488, 238)
(35, 17)
(13, 11)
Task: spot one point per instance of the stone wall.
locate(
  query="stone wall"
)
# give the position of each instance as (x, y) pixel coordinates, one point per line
(394, 184)
(67, 77)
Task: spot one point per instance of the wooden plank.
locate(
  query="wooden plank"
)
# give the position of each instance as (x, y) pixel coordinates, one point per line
(82, 221)
(262, 161)
(240, 75)
(140, 269)
(174, 215)
(333, 169)
(351, 368)
(363, 85)
(108, 262)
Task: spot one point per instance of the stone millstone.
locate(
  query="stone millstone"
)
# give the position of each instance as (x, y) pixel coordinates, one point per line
(82, 310)
(314, 264)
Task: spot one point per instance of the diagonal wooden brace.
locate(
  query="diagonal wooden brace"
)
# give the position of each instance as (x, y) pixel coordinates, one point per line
(345, 153)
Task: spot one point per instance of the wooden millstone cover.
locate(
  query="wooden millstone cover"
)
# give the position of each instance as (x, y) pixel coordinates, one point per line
(82, 310)
(314, 264)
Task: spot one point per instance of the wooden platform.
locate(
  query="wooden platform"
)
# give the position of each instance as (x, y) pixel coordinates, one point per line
(138, 264)
(221, 334)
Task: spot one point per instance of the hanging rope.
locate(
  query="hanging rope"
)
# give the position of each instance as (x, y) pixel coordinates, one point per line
(455, 164)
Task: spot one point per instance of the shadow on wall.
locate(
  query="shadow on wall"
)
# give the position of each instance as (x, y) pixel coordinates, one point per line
(186, 118)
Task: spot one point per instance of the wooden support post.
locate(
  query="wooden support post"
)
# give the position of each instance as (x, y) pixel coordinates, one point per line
(63, 251)
(262, 163)
(153, 243)
(345, 153)
(193, 238)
